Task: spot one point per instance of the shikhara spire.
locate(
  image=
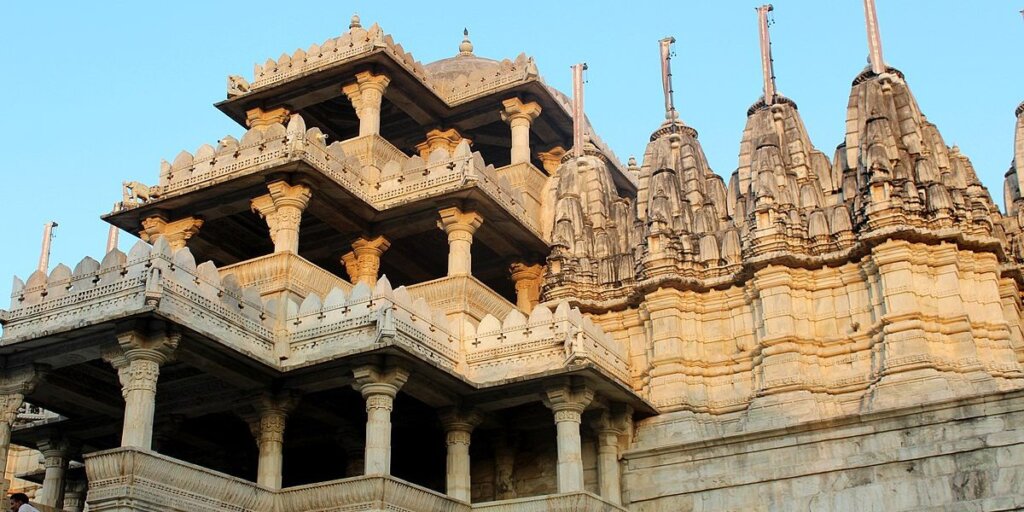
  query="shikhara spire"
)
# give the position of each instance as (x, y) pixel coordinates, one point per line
(874, 38)
(767, 64)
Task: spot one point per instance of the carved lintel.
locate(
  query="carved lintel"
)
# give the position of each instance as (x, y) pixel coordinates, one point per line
(177, 233)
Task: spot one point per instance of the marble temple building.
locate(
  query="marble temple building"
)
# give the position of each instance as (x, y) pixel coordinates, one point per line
(419, 287)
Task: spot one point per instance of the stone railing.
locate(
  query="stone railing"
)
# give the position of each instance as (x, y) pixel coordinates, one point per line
(521, 345)
(148, 279)
(345, 321)
(576, 502)
(402, 179)
(284, 271)
(134, 479)
(366, 493)
(365, 319)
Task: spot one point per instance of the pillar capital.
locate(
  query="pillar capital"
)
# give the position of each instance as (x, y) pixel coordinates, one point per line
(457, 419)
(551, 159)
(259, 118)
(282, 208)
(448, 139)
(454, 220)
(177, 233)
(514, 110)
(614, 419)
(374, 380)
(363, 262)
(568, 401)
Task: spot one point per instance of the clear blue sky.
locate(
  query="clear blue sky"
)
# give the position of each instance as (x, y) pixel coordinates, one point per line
(99, 92)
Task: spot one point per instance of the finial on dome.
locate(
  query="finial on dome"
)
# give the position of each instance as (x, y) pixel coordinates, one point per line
(466, 47)
(354, 22)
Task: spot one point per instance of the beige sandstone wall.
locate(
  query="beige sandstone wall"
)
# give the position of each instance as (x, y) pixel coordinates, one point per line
(963, 455)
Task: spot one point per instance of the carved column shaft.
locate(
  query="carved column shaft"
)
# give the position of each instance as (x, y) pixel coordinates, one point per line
(568, 404)
(458, 427)
(74, 496)
(527, 279)
(460, 227)
(520, 116)
(366, 96)
(268, 428)
(379, 388)
(608, 465)
(55, 461)
(138, 366)
(282, 209)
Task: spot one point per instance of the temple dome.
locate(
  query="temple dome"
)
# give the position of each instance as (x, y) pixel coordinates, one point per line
(464, 63)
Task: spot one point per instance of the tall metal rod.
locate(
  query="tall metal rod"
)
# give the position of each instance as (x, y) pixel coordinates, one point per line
(44, 255)
(666, 77)
(112, 235)
(874, 38)
(767, 64)
(579, 121)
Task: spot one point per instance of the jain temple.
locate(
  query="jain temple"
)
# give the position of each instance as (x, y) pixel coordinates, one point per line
(420, 287)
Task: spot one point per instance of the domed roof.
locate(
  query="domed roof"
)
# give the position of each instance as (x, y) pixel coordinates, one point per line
(462, 64)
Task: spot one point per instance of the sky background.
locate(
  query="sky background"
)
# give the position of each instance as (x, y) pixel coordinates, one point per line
(99, 92)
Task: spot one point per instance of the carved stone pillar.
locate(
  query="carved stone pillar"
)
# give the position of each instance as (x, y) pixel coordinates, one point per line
(282, 209)
(14, 385)
(379, 386)
(458, 427)
(568, 401)
(609, 425)
(448, 140)
(137, 361)
(56, 453)
(519, 116)
(74, 495)
(261, 119)
(459, 226)
(363, 262)
(176, 232)
(527, 279)
(268, 429)
(551, 159)
(351, 440)
(366, 95)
